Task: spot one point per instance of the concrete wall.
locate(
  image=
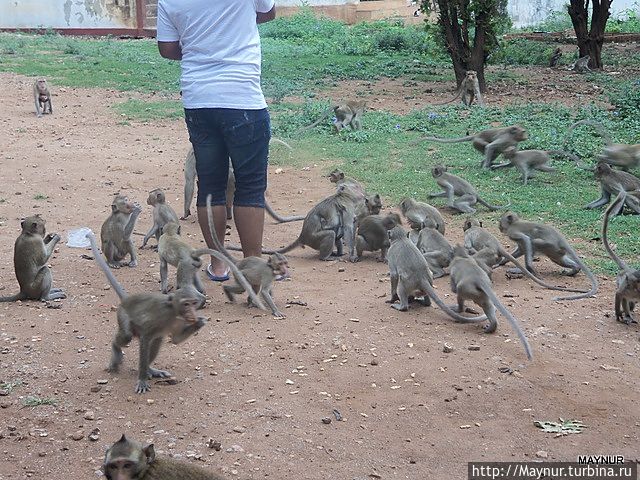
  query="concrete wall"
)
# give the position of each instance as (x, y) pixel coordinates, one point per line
(529, 12)
(353, 11)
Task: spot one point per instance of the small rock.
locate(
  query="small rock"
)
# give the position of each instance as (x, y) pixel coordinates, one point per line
(239, 429)
(96, 389)
(541, 454)
(234, 448)
(102, 382)
(289, 381)
(341, 269)
(374, 361)
(94, 436)
(89, 415)
(446, 348)
(474, 348)
(79, 435)
(215, 444)
(326, 420)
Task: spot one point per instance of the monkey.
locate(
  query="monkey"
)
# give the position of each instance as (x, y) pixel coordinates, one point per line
(487, 249)
(469, 89)
(628, 279)
(148, 316)
(613, 182)
(162, 214)
(31, 253)
(348, 113)
(555, 57)
(190, 180)
(338, 177)
(435, 249)
(372, 234)
(42, 97)
(115, 234)
(616, 154)
(128, 460)
(527, 160)
(453, 185)
(420, 214)
(490, 142)
(532, 237)
(469, 281)
(371, 204)
(581, 65)
(410, 274)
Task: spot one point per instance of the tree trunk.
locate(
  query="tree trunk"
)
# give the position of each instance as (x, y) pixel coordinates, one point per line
(590, 40)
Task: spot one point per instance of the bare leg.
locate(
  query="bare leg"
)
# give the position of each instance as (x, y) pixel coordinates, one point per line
(250, 224)
(220, 220)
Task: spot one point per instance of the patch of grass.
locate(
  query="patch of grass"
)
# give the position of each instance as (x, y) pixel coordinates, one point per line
(10, 386)
(33, 401)
(40, 196)
(143, 110)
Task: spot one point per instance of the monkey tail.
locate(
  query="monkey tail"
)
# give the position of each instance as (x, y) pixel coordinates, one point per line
(122, 294)
(280, 219)
(316, 123)
(455, 315)
(512, 320)
(14, 298)
(576, 159)
(493, 207)
(281, 142)
(291, 246)
(614, 207)
(442, 140)
(597, 125)
(237, 274)
(589, 273)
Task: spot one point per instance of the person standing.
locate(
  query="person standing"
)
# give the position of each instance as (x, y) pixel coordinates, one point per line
(218, 45)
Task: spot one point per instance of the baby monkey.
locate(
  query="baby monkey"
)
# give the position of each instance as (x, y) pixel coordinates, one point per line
(42, 97)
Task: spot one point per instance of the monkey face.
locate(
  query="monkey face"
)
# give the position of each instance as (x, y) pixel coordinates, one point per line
(187, 309)
(602, 168)
(518, 133)
(171, 228)
(471, 222)
(33, 225)
(374, 204)
(507, 220)
(437, 171)
(279, 264)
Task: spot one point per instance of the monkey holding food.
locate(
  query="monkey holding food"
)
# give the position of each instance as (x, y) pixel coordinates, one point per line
(115, 234)
(162, 214)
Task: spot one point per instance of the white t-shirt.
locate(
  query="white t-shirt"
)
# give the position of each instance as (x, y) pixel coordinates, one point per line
(221, 54)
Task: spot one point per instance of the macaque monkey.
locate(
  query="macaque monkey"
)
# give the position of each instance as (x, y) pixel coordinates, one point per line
(372, 234)
(612, 182)
(42, 97)
(581, 65)
(555, 57)
(616, 154)
(338, 177)
(190, 180)
(410, 275)
(31, 254)
(469, 281)
(162, 214)
(491, 142)
(469, 89)
(455, 186)
(532, 238)
(436, 250)
(628, 279)
(421, 214)
(148, 316)
(348, 113)
(115, 234)
(486, 248)
(128, 460)
(527, 160)
(174, 251)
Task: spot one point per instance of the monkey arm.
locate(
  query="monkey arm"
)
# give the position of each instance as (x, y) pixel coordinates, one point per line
(152, 231)
(603, 200)
(502, 165)
(50, 246)
(128, 228)
(188, 330)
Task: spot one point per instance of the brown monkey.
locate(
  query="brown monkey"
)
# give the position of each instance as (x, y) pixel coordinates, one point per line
(115, 234)
(469, 281)
(555, 57)
(487, 249)
(455, 186)
(31, 254)
(628, 279)
(527, 160)
(613, 182)
(190, 180)
(372, 234)
(148, 316)
(410, 275)
(420, 214)
(581, 65)
(348, 113)
(338, 177)
(162, 214)
(42, 97)
(490, 142)
(469, 88)
(174, 251)
(532, 238)
(128, 460)
(435, 249)
(370, 206)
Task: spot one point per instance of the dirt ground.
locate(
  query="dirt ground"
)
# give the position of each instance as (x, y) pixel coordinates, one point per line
(261, 386)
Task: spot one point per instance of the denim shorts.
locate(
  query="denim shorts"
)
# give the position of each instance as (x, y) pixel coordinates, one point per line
(222, 134)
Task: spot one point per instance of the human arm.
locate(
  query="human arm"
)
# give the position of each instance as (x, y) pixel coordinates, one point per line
(263, 17)
(170, 50)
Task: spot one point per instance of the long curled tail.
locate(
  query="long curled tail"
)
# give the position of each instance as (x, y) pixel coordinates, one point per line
(592, 278)
(122, 294)
(14, 298)
(279, 218)
(443, 306)
(442, 140)
(613, 209)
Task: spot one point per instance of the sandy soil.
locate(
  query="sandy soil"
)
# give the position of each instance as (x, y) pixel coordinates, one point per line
(262, 386)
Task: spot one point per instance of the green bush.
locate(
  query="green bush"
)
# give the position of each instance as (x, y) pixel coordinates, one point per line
(626, 100)
(520, 51)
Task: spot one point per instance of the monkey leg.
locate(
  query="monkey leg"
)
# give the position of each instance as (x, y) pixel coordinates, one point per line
(501, 165)
(491, 152)
(131, 250)
(383, 254)
(567, 262)
(325, 241)
(403, 296)
(55, 294)
(148, 347)
(605, 198)
(479, 144)
(490, 311)
(361, 246)
(153, 231)
(230, 290)
(164, 273)
(464, 203)
(110, 253)
(266, 295)
(122, 338)
(394, 288)
(443, 193)
(197, 282)
(623, 315)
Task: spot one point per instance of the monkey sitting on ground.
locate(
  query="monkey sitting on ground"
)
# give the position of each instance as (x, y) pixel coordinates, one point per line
(532, 238)
(469, 281)
(581, 65)
(612, 182)
(128, 460)
(469, 89)
(555, 57)
(435, 249)
(348, 113)
(148, 316)
(491, 142)
(115, 234)
(31, 254)
(527, 160)
(42, 97)
(628, 279)
(372, 234)
(455, 186)
(162, 214)
(421, 214)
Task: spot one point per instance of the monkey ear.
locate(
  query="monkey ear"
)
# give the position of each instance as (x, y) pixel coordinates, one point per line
(22, 224)
(480, 222)
(376, 196)
(123, 439)
(150, 453)
(114, 208)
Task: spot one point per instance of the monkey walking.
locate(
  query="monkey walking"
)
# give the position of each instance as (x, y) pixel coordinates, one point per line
(469, 89)
(115, 234)
(491, 142)
(128, 460)
(527, 160)
(532, 237)
(628, 279)
(31, 254)
(42, 97)
(581, 65)
(348, 113)
(162, 214)
(613, 182)
(469, 281)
